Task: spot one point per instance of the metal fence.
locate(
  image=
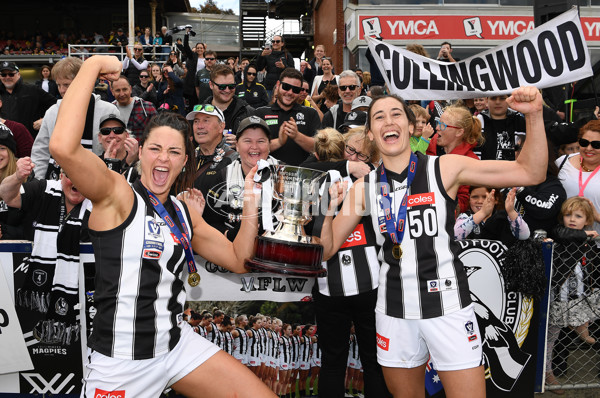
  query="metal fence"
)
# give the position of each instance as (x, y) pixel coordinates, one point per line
(573, 342)
(152, 53)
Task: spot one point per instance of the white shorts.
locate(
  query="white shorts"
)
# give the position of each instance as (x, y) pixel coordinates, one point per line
(315, 362)
(243, 358)
(146, 377)
(453, 341)
(283, 365)
(304, 365)
(254, 361)
(353, 363)
(273, 362)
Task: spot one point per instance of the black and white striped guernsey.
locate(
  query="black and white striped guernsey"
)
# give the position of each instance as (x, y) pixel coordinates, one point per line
(429, 280)
(285, 349)
(139, 293)
(240, 343)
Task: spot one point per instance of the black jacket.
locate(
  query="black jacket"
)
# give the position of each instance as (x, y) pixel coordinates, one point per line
(191, 63)
(273, 71)
(255, 94)
(235, 112)
(52, 87)
(541, 204)
(26, 104)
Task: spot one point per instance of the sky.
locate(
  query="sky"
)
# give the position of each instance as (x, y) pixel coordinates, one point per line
(223, 4)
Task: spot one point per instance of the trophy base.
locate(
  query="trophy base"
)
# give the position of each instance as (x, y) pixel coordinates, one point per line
(289, 258)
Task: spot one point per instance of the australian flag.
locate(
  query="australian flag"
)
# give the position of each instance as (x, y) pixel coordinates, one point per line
(433, 384)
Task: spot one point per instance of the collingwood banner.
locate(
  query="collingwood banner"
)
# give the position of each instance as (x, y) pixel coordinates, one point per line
(552, 54)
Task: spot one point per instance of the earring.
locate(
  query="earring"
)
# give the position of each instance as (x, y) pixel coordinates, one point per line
(183, 170)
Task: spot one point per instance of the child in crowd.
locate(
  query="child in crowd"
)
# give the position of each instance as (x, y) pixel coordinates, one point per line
(487, 220)
(422, 130)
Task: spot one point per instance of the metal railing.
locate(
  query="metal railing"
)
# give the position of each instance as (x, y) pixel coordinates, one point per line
(83, 51)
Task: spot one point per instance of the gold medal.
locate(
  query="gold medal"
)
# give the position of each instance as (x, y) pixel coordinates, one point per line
(194, 279)
(397, 252)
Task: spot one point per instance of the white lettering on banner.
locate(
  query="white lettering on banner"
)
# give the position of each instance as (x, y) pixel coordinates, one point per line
(510, 28)
(552, 54)
(418, 27)
(593, 29)
(4, 321)
(45, 386)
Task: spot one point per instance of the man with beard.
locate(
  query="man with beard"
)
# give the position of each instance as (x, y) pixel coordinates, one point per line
(349, 88)
(135, 110)
(292, 125)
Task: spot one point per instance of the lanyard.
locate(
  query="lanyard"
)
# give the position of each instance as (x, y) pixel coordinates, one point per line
(162, 212)
(396, 225)
(582, 184)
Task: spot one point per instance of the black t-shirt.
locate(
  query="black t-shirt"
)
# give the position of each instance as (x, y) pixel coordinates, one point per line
(308, 122)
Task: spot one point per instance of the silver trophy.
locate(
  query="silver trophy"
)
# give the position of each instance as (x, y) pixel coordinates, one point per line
(287, 249)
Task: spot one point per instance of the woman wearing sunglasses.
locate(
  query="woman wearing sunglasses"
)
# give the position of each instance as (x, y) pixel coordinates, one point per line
(254, 93)
(579, 173)
(274, 59)
(170, 91)
(142, 238)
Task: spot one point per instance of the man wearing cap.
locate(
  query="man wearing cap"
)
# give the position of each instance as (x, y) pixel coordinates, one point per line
(292, 125)
(22, 102)
(119, 39)
(353, 119)
(222, 85)
(120, 150)
(225, 187)
(64, 73)
(135, 110)
(212, 152)
(349, 88)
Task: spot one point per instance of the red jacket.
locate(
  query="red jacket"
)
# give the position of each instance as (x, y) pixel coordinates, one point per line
(464, 149)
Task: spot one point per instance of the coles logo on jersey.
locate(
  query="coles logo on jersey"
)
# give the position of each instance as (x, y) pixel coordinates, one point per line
(383, 342)
(421, 199)
(109, 394)
(356, 238)
(272, 119)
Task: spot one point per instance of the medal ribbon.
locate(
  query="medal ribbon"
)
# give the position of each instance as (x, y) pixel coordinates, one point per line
(182, 237)
(582, 184)
(396, 224)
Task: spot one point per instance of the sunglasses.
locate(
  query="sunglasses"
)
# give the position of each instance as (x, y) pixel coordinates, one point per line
(144, 76)
(251, 74)
(584, 143)
(137, 49)
(303, 90)
(208, 108)
(209, 59)
(224, 86)
(288, 87)
(9, 74)
(352, 87)
(275, 41)
(108, 130)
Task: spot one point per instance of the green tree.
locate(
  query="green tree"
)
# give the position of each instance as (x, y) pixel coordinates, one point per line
(210, 7)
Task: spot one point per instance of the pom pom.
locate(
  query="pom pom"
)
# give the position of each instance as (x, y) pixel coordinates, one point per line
(523, 269)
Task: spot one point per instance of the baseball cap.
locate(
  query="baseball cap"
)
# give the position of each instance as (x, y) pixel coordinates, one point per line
(354, 119)
(6, 65)
(252, 121)
(112, 116)
(7, 139)
(207, 109)
(361, 101)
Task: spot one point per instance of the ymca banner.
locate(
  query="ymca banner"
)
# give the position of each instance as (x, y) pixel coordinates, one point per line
(552, 54)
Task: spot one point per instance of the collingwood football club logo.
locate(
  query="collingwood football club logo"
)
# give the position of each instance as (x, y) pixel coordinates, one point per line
(508, 313)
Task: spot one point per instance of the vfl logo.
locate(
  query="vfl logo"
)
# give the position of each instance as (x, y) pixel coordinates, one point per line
(433, 286)
(41, 386)
(39, 277)
(383, 342)
(109, 394)
(469, 327)
(153, 227)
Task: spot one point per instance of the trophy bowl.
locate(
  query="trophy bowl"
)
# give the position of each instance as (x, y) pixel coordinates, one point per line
(287, 249)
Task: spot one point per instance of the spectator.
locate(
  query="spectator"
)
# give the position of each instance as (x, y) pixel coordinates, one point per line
(194, 63)
(578, 172)
(156, 74)
(274, 59)
(445, 53)
(65, 71)
(133, 65)
(120, 151)
(212, 152)
(145, 88)
(145, 39)
(314, 67)
(323, 80)
(222, 85)
(22, 102)
(254, 93)
(175, 63)
(292, 126)
(239, 75)
(349, 88)
(231, 64)
(135, 110)
(20, 134)
(119, 39)
(167, 40)
(11, 219)
(422, 131)
(170, 91)
(202, 79)
(501, 126)
(481, 104)
(46, 83)
(457, 132)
